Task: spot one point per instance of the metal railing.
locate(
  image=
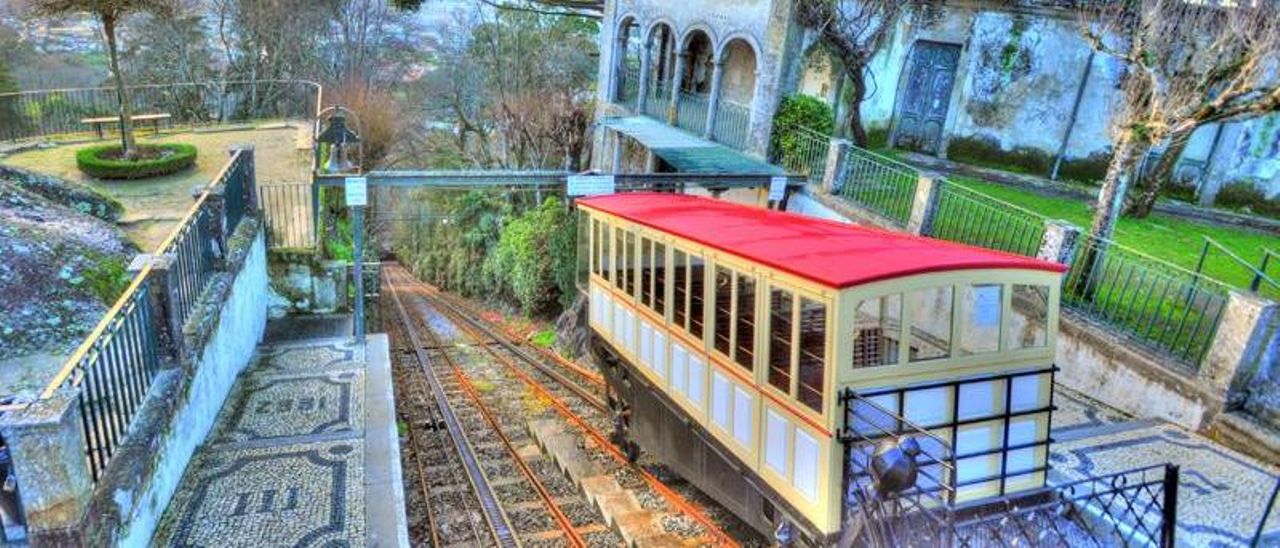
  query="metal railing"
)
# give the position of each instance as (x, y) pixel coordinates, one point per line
(968, 216)
(1131, 508)
(691, 111)
(804, 152)
(114, 366)
(286, 212)
(1235, 267)
(658, 101)
(1157, 304)
(881, 184)
(56, 114)
(628, 86)
(733, 125)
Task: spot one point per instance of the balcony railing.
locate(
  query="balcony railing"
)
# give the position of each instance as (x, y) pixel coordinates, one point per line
(55, 114)
(655, 105)
(733, 125)
(691, 112)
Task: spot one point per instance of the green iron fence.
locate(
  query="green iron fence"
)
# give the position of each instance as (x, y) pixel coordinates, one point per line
(1160, 305)
(968, 216)
(804, 152)
(880, 184)
(286, 212)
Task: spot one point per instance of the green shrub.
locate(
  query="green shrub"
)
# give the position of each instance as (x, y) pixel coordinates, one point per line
(1090, 169)
(107, 278)
(877, 138)
(535, 259)
(1246, 196)
(987, 152)
(157, 160)
(798, 111)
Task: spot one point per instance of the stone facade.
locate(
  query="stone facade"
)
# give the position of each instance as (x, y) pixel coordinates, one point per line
(1024, 88)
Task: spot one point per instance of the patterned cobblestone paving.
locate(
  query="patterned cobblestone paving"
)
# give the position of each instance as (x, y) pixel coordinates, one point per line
(1222, 493)
(286, 462)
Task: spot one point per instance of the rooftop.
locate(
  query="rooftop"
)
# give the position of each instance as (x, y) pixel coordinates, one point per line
(830, 253)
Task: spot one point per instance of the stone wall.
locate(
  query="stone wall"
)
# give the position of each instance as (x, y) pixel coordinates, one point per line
(222, 335)
(301, 283)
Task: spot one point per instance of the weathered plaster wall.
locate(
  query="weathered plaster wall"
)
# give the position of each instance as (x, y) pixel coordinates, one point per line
(240, 323)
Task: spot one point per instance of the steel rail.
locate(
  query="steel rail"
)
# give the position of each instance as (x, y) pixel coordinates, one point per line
(675, 499)
(416, 442)
(468, 387)
(495, 516)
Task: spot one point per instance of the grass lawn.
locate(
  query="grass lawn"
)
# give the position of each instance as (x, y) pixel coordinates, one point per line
(1172, 239)
(154, 206)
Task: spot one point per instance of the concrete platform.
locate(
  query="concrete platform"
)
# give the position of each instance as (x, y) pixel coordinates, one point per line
(304, 453)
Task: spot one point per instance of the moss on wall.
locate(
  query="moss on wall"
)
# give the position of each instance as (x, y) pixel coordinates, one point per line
(1090, 169)
(986, 152)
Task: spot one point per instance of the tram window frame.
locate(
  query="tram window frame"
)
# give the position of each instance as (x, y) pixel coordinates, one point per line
(744, 296)
(660, 278)
(917, 301)
(777, 304)
(1016, 339)
(805, 338)
(885, 324)
(697, 296)
(979, 319)
(722, 325)
(631, 264)
(606, 257)
(646, 271)
(680, 288)
(595, 246)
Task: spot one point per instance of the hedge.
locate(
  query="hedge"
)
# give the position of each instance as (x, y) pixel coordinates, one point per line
(179, 157)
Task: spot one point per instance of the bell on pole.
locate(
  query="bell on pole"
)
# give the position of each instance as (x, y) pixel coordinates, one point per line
(345, 149)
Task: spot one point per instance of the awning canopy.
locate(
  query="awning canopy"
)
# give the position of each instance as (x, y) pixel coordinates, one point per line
(686, 152)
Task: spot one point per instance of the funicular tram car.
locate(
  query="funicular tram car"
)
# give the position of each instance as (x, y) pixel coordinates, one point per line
(728, 332)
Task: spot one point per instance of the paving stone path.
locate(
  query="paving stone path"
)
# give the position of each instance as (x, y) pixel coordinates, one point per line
(1221, 494)
(300, 455)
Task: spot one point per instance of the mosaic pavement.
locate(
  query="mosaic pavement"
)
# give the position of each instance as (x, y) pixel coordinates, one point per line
(286, 462)
(1222, 493)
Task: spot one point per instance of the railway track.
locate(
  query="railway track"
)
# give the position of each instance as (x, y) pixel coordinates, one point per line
(575, 395)
(523, 502)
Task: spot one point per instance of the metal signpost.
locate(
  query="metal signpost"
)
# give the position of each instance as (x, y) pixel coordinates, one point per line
(357, 195)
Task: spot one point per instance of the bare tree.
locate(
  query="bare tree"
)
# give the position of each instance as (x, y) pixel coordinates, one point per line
(109, 13)
(593, 9)
(1187, 64)
(853, 32)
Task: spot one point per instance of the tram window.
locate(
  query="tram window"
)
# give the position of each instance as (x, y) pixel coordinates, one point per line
(646, 272)
(620, 262)
(595, 246)
(1030, 316)
(930, 334)
(659, 278)
(780, 310)
(606, 260)
(630, 264)
(724, 308)
(745, 336)
(680, 277)
(979, 319)
(697, 291)
(877, 329)
(813, 353)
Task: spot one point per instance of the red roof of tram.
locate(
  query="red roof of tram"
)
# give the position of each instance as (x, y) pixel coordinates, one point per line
(827, 252)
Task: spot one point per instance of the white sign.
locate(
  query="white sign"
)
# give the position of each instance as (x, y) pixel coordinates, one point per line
(357, 191)
(777, 188)
(590, 185)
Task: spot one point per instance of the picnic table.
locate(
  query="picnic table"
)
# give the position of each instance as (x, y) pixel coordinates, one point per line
(155, 120)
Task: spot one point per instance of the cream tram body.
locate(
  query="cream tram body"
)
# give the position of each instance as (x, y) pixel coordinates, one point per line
(737, 318)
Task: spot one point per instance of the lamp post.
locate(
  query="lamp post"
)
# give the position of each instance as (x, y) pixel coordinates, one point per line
(341, 161)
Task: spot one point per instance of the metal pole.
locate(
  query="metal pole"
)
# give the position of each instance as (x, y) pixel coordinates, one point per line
(1262, 523)
(357, 230)
(1169, 508)
(1075, 113)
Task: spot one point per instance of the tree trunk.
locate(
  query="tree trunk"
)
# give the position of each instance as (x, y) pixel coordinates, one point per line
(129, 147)
(856, 129)
(1119, 172)
(1140, 204)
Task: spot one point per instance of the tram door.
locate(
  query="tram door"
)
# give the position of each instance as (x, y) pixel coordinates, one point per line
(922, 107)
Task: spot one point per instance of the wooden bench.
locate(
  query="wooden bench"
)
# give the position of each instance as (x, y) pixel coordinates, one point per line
(98, 123)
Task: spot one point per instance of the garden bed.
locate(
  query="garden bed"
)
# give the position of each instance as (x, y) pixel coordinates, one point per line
(109, 162)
